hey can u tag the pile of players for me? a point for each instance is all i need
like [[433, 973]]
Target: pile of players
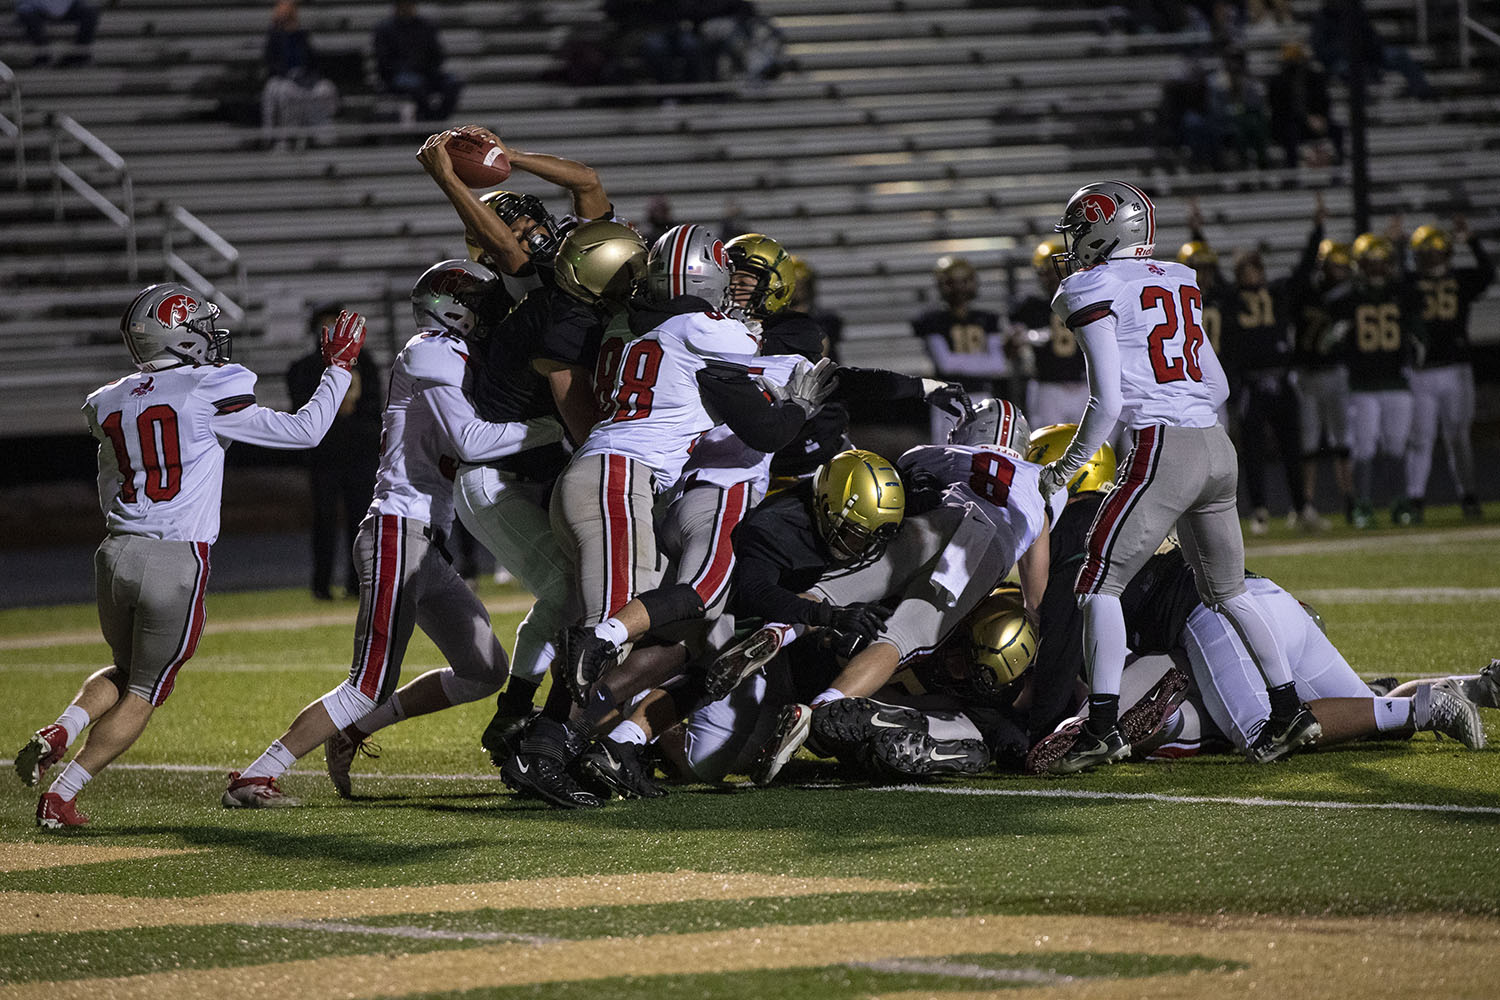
[[654, 445]]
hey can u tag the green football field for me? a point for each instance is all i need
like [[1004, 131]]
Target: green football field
[[1369, 871]]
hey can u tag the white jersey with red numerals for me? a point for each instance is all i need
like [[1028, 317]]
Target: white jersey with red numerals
[[1168, 372], [1003, 487], [658, 410], [429, 427], [162, 437], [720, 457]]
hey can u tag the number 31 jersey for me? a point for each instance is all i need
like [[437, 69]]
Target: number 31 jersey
[[1167, 372]]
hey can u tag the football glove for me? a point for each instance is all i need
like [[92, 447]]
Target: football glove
[[341, 342], [860, 621], [947, 396], [809, 386], [1051, 479]]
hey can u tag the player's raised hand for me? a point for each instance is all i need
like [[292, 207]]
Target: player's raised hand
[[809, 386], [341, 342], [947, 396], [434, 154], [1050, 480]]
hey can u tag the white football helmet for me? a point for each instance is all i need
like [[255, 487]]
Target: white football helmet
[[1107, 219], [994, 423], [689, 260], [446, 295], [170, 324]]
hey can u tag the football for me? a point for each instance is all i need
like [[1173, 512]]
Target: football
[[477, 162]]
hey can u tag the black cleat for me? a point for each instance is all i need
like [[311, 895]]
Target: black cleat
[[1143, 719], [848, 726], [741, 661], [1281, 736], [1080, 750], [1383, 686], [910, 753], [620, 767], [503, 735], [1472, 511], [539, 767], [581, 656]]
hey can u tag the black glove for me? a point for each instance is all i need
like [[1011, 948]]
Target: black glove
[[949, 396], [859, 621]]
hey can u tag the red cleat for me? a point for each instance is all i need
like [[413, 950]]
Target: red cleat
[[45, 748], [255, 793], [53, 812]]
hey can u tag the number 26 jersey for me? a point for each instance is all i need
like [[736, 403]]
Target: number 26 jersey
[[1167, 370]]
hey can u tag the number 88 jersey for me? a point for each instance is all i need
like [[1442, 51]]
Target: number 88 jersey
[[1003, 487], [1167, 370]]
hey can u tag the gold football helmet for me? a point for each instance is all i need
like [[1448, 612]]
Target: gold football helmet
[[1334, 259], [957, 280], [1430, 249], [771, 266], [1048, 445], [601, 262], [1196, 254], [1373, 254], [1001, 637], [858, 503]]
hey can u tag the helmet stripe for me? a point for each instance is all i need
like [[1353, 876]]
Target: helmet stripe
[[679, 259], [1007, 415], [1150, 211]]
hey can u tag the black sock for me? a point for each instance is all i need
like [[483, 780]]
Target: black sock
[[517, 698], [1284, 700], [1104, 713]]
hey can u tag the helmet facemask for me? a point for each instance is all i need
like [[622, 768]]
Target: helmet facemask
[[763, 281], [528, 218], [170, 324], [858, 503]]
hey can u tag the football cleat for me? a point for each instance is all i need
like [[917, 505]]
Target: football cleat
[[539, 767], [1280, 737], [1471, 509], [503, 735], [846, 727], [1362, 515], [53, 812], [339, 751], [1143, 719], [1456, 716], [255, 793], [581, 656], [1383, 686], [45, 748], [911, 753], [621, 768], [792, 727], [1079, 750], [1310, 520], [1260, 521], [740, 661], [1483, 689]]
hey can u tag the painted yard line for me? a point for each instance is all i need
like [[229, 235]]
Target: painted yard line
[[1055, 793], [959, 970], [1377, 543], [497, 606], [1404, 595], [414, 933]]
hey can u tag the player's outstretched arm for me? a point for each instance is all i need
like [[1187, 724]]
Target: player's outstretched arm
[[483, 226], [475, 440], [590, 201]]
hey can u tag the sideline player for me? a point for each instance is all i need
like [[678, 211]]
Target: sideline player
[[1149, 364], [405, 577], [162, 434]]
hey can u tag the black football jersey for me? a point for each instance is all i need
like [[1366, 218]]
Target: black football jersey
[[1446, 301], [1383, 324], [1059, 358]]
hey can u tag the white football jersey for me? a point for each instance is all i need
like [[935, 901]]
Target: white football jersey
[[162, 437], [1168, 372], [1004, 488], [720, 457], [658, 410]]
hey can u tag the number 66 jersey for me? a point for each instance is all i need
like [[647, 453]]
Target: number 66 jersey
[[1165, 367]]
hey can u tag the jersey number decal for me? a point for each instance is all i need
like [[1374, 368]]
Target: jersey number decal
[[604, 375], [990, 476], [637, 385], [1440, 299], [1184, 367], [1377, 328], [161, 453]]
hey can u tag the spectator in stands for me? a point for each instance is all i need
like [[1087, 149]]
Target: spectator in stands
[[34, 15], [1340, 28], [1238, 108], [658, 218], [341, 469], [1185, 118], [966, 344], [1301, 109], [805, 300], [409, 60], [659, 39], [296, 96]]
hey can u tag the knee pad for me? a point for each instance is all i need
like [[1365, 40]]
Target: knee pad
[[673, 603], [462, 690], [346, 705]]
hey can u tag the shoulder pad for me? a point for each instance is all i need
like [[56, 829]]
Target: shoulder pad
[[435, 357]]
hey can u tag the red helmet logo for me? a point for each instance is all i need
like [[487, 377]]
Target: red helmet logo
[[175, 309], [1096, 208], [719, 254], [451, 282]]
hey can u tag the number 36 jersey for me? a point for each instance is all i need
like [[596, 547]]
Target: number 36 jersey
[[1166, 369], [162, 437], [1004, 489]]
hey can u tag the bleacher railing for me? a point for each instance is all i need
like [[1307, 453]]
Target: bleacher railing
[[1467, 24], [122, 215], [179, 220], [12, 125]]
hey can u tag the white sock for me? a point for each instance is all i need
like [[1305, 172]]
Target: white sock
[[628, 732], [612, 631], [384, 715], [71, 781], [832, 694], [1393, 713], [275, 762], [1421, 707], [73, 720]]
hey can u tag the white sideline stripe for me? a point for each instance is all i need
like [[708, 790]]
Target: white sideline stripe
[[417, 933], [1053, 793], [962, 970], [1377, 543], [1408, 595]]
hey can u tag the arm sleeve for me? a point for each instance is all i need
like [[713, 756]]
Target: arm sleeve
[[758, 593], [876, 383], [238, 417], [732, 396], [990, 364], [109, 468], [475, 440], [1101, 353], [1484, 267]]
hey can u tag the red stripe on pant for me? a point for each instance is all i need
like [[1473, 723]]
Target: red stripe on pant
[[1112, 512], [619, 534], [370, 671], [196, 620], [715, 577]]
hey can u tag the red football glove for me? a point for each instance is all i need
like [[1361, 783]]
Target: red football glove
[[341, 342]]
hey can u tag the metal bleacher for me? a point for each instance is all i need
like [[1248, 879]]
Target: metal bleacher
[[901, 130]]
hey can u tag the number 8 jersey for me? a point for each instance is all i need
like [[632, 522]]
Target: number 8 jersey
[[1166, 369]]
